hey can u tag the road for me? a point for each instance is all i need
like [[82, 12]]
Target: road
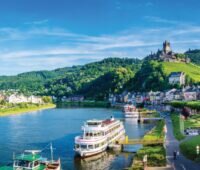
[[171, 144]]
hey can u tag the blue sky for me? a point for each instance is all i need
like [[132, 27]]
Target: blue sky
[[48, 34]]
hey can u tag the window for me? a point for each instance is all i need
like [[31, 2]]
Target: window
[[83, 146], [90, 146]]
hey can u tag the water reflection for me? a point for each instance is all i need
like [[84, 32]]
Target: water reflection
[[60, 126], [103, 161]]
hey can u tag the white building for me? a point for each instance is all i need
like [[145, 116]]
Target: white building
[[177, 78], [20, 98], [15, 98]]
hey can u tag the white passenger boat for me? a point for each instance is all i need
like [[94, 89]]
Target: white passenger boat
[[130, 111], [98, 135]]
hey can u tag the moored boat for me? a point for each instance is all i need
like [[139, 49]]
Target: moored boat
[[98, 135], [130, 111], [32, 160]]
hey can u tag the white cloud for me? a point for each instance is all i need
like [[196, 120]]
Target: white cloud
[[41, 47]]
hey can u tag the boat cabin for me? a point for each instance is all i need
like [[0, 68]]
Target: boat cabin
[[27, 162]]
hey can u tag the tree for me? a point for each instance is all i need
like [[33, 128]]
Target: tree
[[185, 112]]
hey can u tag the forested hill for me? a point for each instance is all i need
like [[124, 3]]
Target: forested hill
[[194, 55], [68, 80]]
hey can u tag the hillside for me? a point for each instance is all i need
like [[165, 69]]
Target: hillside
[[194, 55], [33, 81], [68, 80], [193, 71], [85, 80], [111, 82], [153, 75]]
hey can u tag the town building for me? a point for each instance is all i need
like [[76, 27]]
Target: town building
[[190, 94], [177, 78]]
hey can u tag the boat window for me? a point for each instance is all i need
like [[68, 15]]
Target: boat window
[[87, 134], [84, 146], [96, 145], [90, 146], [91, 134], [77, 146], [22, 163]]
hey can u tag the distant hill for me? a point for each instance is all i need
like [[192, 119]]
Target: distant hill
[[111, 82], [68, 80], [95, 78], [194, 55]]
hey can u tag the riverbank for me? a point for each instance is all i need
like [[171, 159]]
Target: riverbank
[[84, 104], [156, 154], [19, 109]]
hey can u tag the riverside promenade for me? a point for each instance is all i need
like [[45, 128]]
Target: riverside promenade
[[171, 144]]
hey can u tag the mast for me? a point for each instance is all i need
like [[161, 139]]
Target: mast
[[51, 148]]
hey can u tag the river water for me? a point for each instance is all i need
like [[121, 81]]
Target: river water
[[35, 130]]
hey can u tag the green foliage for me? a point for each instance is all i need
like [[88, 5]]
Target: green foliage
[[194, 55], [95, 80], [69, 80], [192, 122], [157, 132], [188, 148], [149, 77], [111, 82], [176, 126], [182, 104], [9, 109], [180, 55], [156, 154], [47, 99], [191, 70]]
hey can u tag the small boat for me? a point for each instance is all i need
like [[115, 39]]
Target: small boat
[[32, 160], [130, 111], [53, 165], [98, 135]]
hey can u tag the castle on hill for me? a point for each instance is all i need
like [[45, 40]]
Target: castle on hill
[[166, 54]]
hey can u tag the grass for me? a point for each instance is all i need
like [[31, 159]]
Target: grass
[[157, 132], [190, 69], [176, 126], [192, 122], [149, 114], [156, 157], [188, 148], [156, 153], [24, 108]]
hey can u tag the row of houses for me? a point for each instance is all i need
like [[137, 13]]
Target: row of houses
[[16, 98], [184, 94]]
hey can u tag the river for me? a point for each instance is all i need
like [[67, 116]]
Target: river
[[35, 130]]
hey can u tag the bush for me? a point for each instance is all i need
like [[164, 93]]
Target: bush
[[176, 126]]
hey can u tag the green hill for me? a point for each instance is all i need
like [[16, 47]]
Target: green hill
[[193, 71], [68, 80], [194, 55], [92, 78]]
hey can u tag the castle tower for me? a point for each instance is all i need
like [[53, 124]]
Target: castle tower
[[166, 47]]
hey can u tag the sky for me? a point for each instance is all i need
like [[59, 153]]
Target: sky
[[49, 34]]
